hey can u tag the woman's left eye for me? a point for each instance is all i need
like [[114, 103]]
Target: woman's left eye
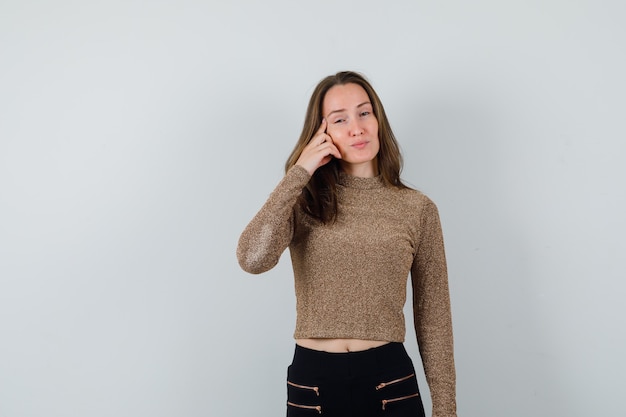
[[365, 113]]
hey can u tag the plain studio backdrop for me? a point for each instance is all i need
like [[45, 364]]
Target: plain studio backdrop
[[138, 138]]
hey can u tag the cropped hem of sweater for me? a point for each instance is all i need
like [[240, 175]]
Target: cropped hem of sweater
[[350, 276], [362, 335]]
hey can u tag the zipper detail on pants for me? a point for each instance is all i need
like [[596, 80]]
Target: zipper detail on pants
[[393, 400], [317, 408], [316, 389], [395, 381]]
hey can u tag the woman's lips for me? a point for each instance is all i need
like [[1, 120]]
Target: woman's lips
[[359, 145]]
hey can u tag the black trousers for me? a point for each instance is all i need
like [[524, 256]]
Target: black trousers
[[374, 382]]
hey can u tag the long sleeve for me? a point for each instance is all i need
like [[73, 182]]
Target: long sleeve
[[270, 231], [433, 321]]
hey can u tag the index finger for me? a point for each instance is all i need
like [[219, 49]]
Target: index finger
[[322, 128]]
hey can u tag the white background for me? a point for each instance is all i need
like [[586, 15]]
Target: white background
[[138, 138]]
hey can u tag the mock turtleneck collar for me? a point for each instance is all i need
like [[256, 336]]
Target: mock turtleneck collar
[[362, 183]]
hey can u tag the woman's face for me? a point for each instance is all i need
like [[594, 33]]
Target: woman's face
[[353, 127]]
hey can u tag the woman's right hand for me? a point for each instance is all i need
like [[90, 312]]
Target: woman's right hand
[[319, 151]]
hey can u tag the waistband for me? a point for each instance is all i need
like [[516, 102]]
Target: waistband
[[365, 362]]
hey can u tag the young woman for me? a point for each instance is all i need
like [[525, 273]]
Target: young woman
[[355, 232]]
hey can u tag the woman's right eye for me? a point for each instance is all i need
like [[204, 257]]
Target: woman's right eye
[[339, 121]]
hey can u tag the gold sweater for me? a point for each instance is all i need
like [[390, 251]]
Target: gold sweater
[[351, 275]]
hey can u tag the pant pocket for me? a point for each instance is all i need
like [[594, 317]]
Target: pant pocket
[[297, 410], [303, 399], [391, 401], [399, 394]]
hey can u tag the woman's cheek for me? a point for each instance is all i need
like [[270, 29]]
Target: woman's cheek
[[338, 143]]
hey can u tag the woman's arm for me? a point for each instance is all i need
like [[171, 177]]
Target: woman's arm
[[269, 233], [432, 316]]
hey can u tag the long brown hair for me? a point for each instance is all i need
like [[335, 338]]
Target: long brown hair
[[319, 197]]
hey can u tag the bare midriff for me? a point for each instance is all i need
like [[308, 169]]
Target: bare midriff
[[339, 345]]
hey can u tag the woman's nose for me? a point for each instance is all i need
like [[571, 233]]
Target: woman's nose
[[355, 128]]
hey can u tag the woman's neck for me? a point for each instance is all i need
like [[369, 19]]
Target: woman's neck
[[367, 169]]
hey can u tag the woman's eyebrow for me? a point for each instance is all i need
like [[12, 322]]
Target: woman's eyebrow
[[343, 110]]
